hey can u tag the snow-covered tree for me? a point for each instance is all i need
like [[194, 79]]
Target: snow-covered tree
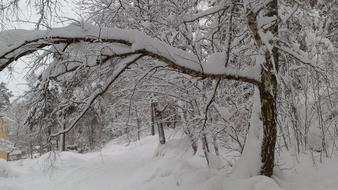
[[254, 42]]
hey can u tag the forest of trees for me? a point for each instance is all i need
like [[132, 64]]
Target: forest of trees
[[257, 77]]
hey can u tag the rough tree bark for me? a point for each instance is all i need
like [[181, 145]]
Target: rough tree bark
[[268, 109]]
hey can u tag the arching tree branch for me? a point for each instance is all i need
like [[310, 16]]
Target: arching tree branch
[[15, 44]]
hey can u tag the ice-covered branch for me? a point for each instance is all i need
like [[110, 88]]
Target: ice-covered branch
[[18, 43]]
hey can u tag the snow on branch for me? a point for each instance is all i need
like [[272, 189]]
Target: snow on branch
[[18, 43]]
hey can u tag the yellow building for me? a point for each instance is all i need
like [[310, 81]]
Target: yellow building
[[4, 136]]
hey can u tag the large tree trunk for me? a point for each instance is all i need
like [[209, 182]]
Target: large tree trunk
[[268, 93], [258, 12]]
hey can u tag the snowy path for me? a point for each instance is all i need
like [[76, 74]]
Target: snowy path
[[112, 168]]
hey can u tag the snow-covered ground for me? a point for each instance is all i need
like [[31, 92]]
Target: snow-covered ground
[[145, 166]]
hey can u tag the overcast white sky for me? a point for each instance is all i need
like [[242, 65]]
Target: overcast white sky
[[15, 79]]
